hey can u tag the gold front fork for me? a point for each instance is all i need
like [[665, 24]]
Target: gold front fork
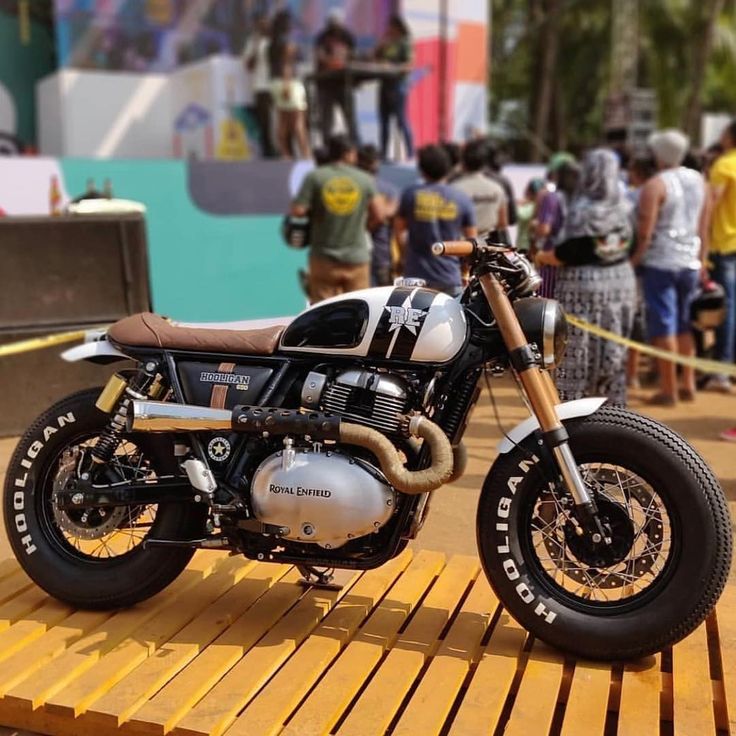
[[540, 390]]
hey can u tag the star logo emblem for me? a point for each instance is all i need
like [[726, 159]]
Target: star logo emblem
[[405, 316], [218, 449]]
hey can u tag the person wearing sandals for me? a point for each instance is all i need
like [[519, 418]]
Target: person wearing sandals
[[595, 280], [669, 249]]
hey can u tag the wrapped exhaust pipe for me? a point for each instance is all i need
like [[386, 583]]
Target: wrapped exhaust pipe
[[156, 416]]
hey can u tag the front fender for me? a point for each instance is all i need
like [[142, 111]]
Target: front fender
[[568, 410]]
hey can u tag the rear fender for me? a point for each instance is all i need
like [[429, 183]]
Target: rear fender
[[95, 349], [568, 410]]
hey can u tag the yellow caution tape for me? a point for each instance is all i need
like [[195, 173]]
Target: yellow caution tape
[[701, 364], [38, 343]]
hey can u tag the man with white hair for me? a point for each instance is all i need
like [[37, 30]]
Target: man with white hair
[[722, 232], [670, 250], [334, 47]]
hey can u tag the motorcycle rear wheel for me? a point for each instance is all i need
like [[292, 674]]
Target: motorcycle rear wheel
[[86, 558], [671, 532]]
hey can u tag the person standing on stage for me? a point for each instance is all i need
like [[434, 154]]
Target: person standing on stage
[[334, 47], [256, 61], [395, 49]]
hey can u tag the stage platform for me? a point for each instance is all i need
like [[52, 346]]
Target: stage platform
[[420, 646]]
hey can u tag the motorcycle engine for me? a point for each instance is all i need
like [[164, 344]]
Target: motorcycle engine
[[323, 497], [364, 397]]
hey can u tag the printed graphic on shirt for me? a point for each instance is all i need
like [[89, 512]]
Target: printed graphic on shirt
[[340, 195], [430, 206]]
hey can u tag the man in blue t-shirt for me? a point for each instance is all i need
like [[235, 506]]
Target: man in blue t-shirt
[[430, 212]]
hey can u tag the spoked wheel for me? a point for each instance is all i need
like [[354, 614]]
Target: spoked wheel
[[93, 557], [641, 537], [667, 556], [97, 532]]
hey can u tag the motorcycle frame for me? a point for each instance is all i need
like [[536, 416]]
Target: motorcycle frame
[[467, 367]]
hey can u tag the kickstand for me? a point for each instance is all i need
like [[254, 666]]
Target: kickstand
[[318, 577]]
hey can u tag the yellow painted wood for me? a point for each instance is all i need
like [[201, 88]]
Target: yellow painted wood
[[535, 702], [217, 710], [20, 606], [692, 692], [347, 675], [54, 642], [641, 685], [8, 567], [379, 702], [726, 619], [128, 695], [127, 655], [35, 690], [430, 704], [12, 584], [480, 709], [162, 712], [32, 626], [587, 703], [268, 712]]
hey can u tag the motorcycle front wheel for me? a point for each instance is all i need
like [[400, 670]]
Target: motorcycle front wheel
[[670, 539]]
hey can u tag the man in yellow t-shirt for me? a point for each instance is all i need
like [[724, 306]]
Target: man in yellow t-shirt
[[722, 246]]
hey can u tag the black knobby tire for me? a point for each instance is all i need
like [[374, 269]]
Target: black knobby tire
[[677, 598], [106, 583]]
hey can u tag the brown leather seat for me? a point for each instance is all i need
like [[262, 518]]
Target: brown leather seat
[[152, 330]]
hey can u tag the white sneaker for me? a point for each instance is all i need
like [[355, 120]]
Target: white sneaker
[[719, 383]]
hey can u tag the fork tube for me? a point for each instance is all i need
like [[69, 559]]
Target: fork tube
[[539, 388]]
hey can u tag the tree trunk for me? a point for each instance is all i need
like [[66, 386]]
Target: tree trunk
[[711, 10], [549, 44]]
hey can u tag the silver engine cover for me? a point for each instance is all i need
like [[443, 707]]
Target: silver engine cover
[[321, 497]]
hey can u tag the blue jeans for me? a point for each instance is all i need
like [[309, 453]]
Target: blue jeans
[[392, 101], [724, 272]]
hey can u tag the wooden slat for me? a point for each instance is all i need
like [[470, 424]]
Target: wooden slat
[[162, 712], [53, 643], [128, 695], [641, 686], [78, 694], [12, 584], [726, 617], [221, 705], [587, 703], [268, 712], [481, 708], [32, 626], [380, 701], [536, 700], [35, 690], [692, 692], [8, 567], [20, 606], [432, 701], [343, 680]]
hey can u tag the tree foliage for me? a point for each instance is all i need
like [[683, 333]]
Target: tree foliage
[[686, 51]]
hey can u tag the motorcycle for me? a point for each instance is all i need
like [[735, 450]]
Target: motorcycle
[[320, 444]]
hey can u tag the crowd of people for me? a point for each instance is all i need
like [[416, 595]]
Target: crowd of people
[[279, 95], [624, 245]]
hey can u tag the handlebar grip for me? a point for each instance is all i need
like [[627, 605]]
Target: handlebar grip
[[454, 248]]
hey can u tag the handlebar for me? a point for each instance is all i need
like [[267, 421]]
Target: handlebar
[[454, 248]]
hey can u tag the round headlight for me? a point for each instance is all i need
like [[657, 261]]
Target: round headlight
[[544, 324]]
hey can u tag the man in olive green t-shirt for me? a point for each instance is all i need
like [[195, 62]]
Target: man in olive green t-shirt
[[339, 199]]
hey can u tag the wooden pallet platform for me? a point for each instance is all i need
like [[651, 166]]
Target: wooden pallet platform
[[420, 646]]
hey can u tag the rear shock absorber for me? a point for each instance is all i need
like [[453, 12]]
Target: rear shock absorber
[[109, 439]]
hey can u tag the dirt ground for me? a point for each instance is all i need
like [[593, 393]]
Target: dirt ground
[[450, 526]]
